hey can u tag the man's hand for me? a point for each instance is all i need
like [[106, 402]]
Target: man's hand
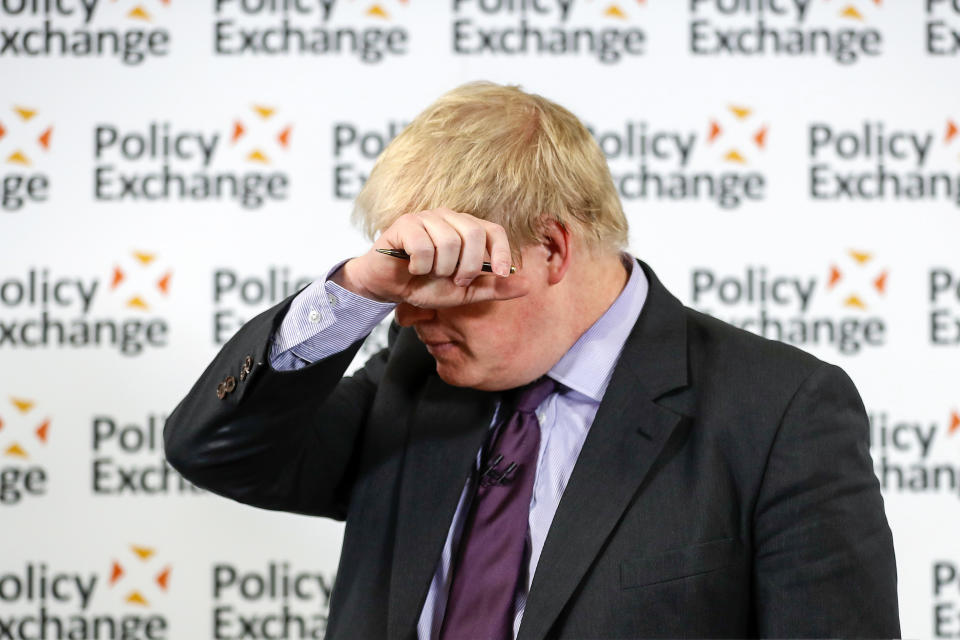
[[446, 251]]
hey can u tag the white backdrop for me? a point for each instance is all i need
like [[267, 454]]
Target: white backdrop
[[798, 174]]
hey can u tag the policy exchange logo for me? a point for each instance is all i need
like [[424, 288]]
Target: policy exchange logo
[[558, 28], [46, 596], [83, 29], [141, 281], [162, 161], [740, 123], [24, 142], [45, 307], [716, 161], [139, 576], [21, 444], [835, 308], [263, 118], [24, 431], [876, 160], [801, 28], [325, 28], [859, 281]]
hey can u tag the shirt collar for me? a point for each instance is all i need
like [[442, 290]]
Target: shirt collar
[[587, 367]]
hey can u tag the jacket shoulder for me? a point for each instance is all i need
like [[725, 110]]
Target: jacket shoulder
[[715, 340], [747, 374]]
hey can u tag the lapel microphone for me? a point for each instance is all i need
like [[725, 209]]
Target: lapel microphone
[[493, 476]]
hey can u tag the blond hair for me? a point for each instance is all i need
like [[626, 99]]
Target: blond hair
[[502, 155]]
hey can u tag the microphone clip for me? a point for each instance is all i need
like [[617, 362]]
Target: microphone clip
[[493, 476]]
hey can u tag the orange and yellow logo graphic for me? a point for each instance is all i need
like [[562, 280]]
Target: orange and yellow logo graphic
[[22, 412], [143, 267], [38, 136], [377, 10], [867, 282], [741, 122], [140, 12], [143, 570], [954, 422], [616, 11], [856, 10], [264, 117]]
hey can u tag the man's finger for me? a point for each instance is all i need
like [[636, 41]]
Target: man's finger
[[473, 243], [447, 242], [417, 243], [484, 289], [498, 246]]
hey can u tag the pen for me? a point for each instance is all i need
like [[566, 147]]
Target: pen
[[403, 255]]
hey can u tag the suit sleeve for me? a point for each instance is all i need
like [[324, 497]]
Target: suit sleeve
[[824, 560], [283, 440]]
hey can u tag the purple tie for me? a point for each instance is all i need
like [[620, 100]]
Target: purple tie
[[492, 547]]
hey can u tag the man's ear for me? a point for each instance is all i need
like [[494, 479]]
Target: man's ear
[[557, 242]]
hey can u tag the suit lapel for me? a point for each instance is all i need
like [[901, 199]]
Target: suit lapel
[[447, 431], [627, 436]]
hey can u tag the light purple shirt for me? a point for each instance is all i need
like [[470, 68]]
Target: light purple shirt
[[325, 319]]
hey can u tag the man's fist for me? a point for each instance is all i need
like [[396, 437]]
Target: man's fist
[[447, 250]]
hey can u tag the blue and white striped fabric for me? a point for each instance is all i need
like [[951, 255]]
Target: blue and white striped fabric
[[565, 416], [322, 320]]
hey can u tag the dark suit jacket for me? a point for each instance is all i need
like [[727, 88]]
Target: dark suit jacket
[[725, 488]]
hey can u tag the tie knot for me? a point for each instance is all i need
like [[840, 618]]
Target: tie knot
[[534, 393]]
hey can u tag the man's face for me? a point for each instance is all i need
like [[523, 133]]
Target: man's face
[[492, 345]]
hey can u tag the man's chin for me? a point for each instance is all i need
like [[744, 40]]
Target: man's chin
[[453, 375], [461, 376]]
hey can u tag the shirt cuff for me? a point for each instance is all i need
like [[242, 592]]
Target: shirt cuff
[[322, 320]]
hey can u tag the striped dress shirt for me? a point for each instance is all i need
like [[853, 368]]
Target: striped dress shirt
[[325, 319]]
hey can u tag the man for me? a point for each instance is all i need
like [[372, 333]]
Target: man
[[565, 451]]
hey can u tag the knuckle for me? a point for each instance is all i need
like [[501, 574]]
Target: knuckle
[[497, 233], [468, 272], [449, 243], [421, 252], [475, 234], [420, 265]]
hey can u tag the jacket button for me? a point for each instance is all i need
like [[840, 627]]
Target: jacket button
[[221, 391], [248, 363], [243, 374], [229, 384]]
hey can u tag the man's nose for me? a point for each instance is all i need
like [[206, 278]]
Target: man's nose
[[407, 315]]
